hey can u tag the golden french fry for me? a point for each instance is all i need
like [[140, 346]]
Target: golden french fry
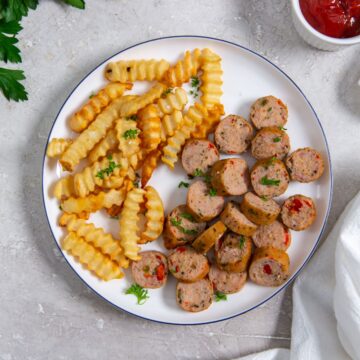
[[170, 123], [64, 188], [150, 124], [57, 146], [135, 70], [184, 69], [194, 116], [172, 101], [82, 118], [129, 218], [133, 106], [96, 131], [108, 143], [91, 258], [149, 166], [154, 216], [96, 237], [127, 134], [211, 78]]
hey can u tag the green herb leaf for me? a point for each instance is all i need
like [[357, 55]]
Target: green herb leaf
[[271, 182], [11, 28], [130, 134], [212, 192], [264, 198], [183, 184], [270, 162], [109, 170], [178, 222], [241, 241], [187, 216], [220, 296], [194, 81], [80, 4], [175, 222], [10, 85], [282, 128], [141, 294], [16, 9], [8, 51], [91, 95], [277, 139], [132, 117], [198, 173], [167, 91]]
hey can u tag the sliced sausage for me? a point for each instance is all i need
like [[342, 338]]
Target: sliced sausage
[[230, 177], [269, 266], [236, 221], [298, 212], [194, 297], [202, 203], [151, 270], [276, 235], [260, 211], [187, 265], [269, 177], [181, 227], [305, 165], [225, 281], [199, 154], [207, 239], [233, 134], [233, 252], [268, 111], [269, 142]]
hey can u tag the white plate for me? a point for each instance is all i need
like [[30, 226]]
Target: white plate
[[247, 76]]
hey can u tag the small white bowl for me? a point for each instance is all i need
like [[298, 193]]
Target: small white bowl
[[314, 37]]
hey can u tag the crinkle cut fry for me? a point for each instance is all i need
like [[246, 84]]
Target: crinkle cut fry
[[101, 149], [96, 237], [136, 70], [57, 146], [91, 258], [129, 227], [154, 216], [128, 138], [150, 124], [82, 118], [64, 188], [173, 100], [170, 123], [96, 131], [149, 166]]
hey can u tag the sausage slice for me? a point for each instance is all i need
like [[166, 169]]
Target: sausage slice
[[151, 270], [269, 267], [230, 177], [202, 203], [305, 165], [269, 177], [233, 134], [199, 154], [187, 265], [236, 221], [276, 235], [261, 211], [227, 282], [233, 252], [181, 227], [298, 212], [207, 239], [194, 297], [270, 142], [268, 111]]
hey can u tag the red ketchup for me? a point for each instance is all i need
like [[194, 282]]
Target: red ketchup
[[335, 18]]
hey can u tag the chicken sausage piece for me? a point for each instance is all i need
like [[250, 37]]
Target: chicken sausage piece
[[270, 142], [269, 177], [151, 270], [268, 111], [202, 202], [233, 134], [276, 235], [181, 227], [305, 165], [187, 265], [298, 212], [199, 154], [207, 239], [196, 296], [269, 267], [226, 282], [230, 177]]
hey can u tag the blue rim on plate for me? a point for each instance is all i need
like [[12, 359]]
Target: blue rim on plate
[[328, 154]]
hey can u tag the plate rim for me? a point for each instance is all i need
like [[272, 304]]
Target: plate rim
[[295, 275]]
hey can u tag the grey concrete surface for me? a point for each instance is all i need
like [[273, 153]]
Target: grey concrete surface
[[46, 312]]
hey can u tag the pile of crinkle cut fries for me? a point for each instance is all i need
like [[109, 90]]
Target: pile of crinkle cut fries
[[120, 134]]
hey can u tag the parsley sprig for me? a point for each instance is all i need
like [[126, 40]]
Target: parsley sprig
[[271, 182], [200, 173], [178, 223], [195, 85], [141, 294], [130, 134], [183, 184], [109, 170], [220, 296]]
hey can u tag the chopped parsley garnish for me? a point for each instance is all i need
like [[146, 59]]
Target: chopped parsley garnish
[[183, 184], [175, 222], [166, 92], [107, 171], [178, 222], [200, 173], [241, 242], [91, 95], [264, 102], [187, 216], [195, 84], [130, 134], [136, 182], [131, 117], [141, 294], [220, 296], [277, 139], [282, 128], [272, 182], [212, 192]]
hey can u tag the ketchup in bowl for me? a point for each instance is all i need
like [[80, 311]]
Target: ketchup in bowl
[[335, 18]]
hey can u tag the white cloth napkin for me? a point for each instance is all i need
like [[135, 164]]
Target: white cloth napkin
[[326, 298]]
